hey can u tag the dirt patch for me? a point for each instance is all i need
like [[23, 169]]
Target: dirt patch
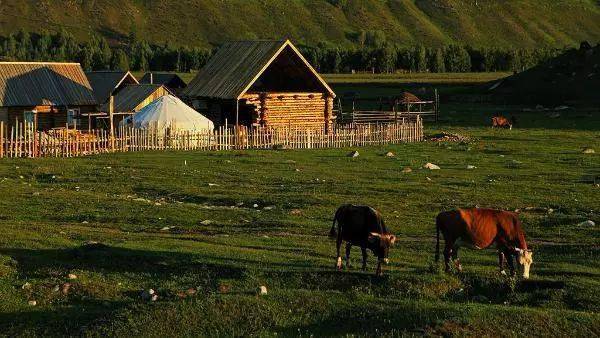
[[448, 137]]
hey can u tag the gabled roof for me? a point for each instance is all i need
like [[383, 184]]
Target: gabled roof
[[131, 96], [170, 80], [105, 82], [237, 65], [43, 84]]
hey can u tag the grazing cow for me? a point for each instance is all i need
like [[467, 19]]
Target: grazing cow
[[479, 229], [503, 122], [362, 226]]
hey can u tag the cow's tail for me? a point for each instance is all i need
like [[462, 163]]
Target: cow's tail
[[332, 232], [437, 244]]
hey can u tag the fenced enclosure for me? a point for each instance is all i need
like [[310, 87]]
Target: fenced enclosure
[[23, 141], [387, 109]]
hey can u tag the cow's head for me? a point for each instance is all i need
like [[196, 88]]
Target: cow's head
[[525, 258], [381, 243]]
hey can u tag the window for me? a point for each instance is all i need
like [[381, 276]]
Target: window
[[73, 117], [29, 116]]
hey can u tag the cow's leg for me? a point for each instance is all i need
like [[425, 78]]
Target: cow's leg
[[447, 253], [456, 259], [510, 261], [338, 263], [348, 248], [364, 257], [501, 259], [378, 270]]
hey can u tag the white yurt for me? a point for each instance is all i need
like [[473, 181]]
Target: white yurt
[[169, 112]]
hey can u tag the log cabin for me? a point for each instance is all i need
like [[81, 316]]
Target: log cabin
[[47, 94], [261, 83], [108, 83]]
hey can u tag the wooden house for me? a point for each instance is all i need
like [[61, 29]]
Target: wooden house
[[108, 83], [47, 94], [172, 81], [261, 83]]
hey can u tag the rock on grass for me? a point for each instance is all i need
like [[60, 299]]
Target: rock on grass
[[431, 166]]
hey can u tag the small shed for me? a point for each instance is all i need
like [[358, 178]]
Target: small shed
[[261, 83], [172, 81], [107, 83], [133, 98], [48, 94]]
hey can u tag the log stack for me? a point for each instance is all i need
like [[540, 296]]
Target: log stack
[[306, 110]]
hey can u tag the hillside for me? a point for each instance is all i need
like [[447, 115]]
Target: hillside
[[570, 77], [522, 23]]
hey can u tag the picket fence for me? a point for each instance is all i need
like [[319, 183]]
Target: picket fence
[[22, 140]]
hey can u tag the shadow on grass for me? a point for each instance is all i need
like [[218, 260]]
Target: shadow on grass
[[102, 258], [62, 321]]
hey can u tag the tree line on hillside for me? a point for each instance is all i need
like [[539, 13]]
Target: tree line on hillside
[[373, 54]]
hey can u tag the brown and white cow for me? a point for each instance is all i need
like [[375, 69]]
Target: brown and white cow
[[502, 122], [362, 226], [480, 228]]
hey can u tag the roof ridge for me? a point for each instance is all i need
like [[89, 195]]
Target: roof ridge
[[38, 63]]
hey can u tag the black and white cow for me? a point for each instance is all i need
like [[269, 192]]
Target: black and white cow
[[362, 226]]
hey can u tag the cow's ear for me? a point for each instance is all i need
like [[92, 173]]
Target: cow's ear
[[373, 237]]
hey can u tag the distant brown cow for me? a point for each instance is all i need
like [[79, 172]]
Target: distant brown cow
[[479, 229], [502, 122]]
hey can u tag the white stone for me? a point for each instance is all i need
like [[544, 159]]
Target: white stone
[[471, 167], [32, 302], [588, 223], [431, 166], [72, 276], [589, 151], [263, 290]]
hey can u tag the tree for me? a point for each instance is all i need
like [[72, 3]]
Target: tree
[[420, 57], [437, 64], [119, 60]]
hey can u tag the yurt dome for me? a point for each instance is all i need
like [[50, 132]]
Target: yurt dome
[[169, 112]]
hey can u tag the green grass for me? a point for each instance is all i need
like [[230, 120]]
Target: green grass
[[414, 78], [219, 240], [523, 23]]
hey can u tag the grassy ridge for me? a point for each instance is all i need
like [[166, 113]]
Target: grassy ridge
[[220, 241], [523, 23]]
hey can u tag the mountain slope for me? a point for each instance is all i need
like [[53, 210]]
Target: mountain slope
[[521, 23]]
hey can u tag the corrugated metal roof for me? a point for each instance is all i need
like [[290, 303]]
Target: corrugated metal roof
[[105, 82], [171, 80], [44, 83], [131, 96], [236, 66]]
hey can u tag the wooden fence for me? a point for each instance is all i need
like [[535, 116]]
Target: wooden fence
[[23, 141]]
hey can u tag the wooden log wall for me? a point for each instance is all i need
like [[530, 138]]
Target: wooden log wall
[[309, 110]]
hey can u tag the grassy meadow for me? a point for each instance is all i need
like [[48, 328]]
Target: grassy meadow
[[207, 229]]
